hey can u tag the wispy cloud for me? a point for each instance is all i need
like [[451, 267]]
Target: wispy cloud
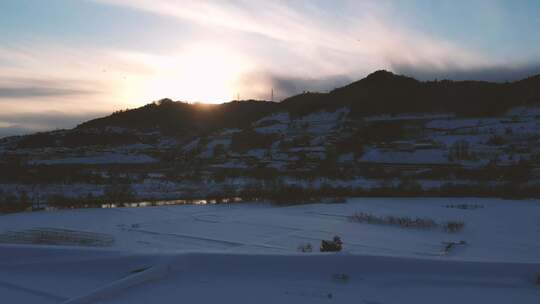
[[310, 44], [495, 72], [25, 88], [24, 123], [352, 28], [261, 85], [45, 76]]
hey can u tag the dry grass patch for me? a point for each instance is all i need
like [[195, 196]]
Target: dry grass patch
[[406, 222]]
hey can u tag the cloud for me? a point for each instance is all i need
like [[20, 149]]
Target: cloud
[[12, 130], [350, 38], [495, 73], [25, 123], [24, 88], [45, 76], [260, 84]]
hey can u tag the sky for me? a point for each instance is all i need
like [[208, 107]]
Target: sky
[[66, 61]]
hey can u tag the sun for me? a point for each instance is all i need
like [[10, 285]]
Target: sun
[[200, 75]]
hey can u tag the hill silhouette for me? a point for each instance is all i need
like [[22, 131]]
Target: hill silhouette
[[179, 118], [381, 92]]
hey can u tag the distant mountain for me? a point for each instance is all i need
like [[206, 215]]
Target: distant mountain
[[179, 118], [381, 92]]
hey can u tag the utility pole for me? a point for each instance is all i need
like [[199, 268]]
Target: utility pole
[[272, 98]]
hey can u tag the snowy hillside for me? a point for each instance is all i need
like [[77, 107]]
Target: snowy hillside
[[434, 154], [384, 135]]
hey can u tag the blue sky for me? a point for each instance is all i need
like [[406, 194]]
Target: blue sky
[[63, 61]]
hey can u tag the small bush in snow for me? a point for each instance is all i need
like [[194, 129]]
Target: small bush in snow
[[407, 222], [453, 226], [538, 279], [305, 248], [331, 246], [341, 277], [448, 246], [465, 206]]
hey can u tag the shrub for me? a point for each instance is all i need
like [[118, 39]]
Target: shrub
[[410, 187], [538, 279], [249, 139], [119, 193], [453, 226], [285, 195], [331, 246], [495, 140], [406, 222], [10, 203], [305, 247], [448, 246], [460, 150], [465, 206], [341, 277]]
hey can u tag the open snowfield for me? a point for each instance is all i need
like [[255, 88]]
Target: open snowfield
[[247, 253]]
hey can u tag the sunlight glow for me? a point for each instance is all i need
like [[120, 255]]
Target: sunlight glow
[[199, 75]]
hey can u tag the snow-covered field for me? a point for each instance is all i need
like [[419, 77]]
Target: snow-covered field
[[247, 253]]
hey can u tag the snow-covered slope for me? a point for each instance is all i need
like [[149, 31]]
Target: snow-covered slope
[[247, 253], [98, 277], [436, 153]]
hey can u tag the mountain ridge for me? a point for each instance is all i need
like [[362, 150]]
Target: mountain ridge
[[381, 92]]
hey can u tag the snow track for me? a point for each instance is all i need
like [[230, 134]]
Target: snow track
[[116, 288]]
